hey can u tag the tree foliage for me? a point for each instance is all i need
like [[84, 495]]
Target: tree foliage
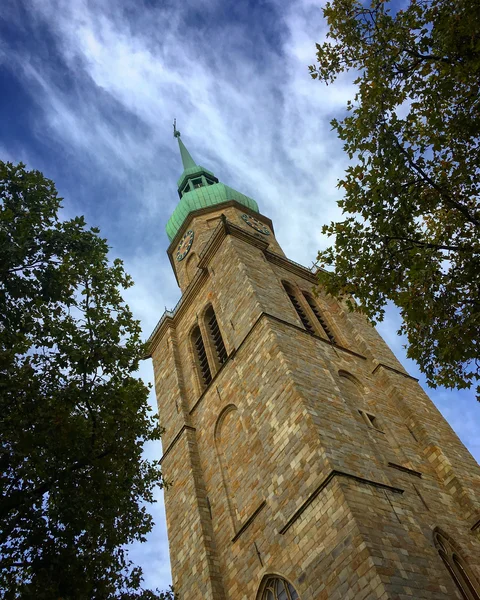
[[410, 232], [73, 417]]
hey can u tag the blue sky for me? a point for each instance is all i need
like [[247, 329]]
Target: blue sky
[[88, 93]]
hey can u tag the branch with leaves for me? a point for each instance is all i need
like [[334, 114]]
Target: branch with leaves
[[74, 416], [410, 232]]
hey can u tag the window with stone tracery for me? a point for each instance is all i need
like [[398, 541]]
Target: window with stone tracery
[[457, 567], [277, 588]]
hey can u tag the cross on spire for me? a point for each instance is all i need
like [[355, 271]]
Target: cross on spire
[[176, 133]]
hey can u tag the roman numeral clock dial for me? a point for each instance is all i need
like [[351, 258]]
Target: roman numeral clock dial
[[256, 224], [185, 245]]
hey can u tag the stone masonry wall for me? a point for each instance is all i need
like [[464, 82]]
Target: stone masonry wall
[[204, 225], [325, 463]]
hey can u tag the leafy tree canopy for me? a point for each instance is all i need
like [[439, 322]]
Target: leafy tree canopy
[[410, 232], [73, 417]]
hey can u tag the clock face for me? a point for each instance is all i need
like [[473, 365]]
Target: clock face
[[185, 245], [256, 224]]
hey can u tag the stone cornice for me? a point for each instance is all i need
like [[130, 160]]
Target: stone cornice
[[249, 521], [393, 370], [206, 211], [170, 317], [290, 265], [405, 469], [177, 436], [316, 337], [328, 479], [214, 243], [246, 236], [233, 354], [224, 228]]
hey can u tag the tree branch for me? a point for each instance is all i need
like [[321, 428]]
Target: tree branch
[[427, 244], [21, 497], [447, 197], [431, 57]]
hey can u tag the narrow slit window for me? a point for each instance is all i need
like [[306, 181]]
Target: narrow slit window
[[216, 336], [320, 318], [298, 307], [371, 420], [411, 433], [201, 355]]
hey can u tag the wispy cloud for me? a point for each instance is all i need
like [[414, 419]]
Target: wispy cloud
[[104, 92]]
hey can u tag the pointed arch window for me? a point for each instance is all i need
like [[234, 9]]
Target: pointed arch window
[[457, 567], [215, 336], [277, 588], [320, 318], [191, 265], [298, 307], [203, 368]]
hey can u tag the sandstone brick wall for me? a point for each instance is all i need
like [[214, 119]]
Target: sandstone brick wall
[[325, 463], [203, 222]]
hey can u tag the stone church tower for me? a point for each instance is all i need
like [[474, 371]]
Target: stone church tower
[[305, 461]]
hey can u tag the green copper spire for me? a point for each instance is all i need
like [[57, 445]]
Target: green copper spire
[[187, 160], [199, 188]]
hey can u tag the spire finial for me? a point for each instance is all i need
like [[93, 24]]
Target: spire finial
[[176, 133]]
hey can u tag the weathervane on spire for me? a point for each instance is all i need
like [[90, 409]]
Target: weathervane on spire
[[176, 133]]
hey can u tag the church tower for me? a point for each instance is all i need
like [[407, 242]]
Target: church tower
[[304, 461]]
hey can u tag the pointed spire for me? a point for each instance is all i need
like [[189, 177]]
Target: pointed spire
[[187, 160], [199, 188]]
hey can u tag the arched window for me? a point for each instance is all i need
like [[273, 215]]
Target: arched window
[[201, 360], [457, 567], [351, 390], [191, 266], [215, 336], [277, 588], [298, 307], [233, 439], [320, 318]]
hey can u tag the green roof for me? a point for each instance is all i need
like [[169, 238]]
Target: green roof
[[192, 172], [209, 192], [201, 198]]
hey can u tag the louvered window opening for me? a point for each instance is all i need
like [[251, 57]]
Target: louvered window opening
[[320, 319], [202, 357], [300, 312], [217, 339]]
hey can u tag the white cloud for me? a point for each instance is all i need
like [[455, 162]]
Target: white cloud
[[246, 110]]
